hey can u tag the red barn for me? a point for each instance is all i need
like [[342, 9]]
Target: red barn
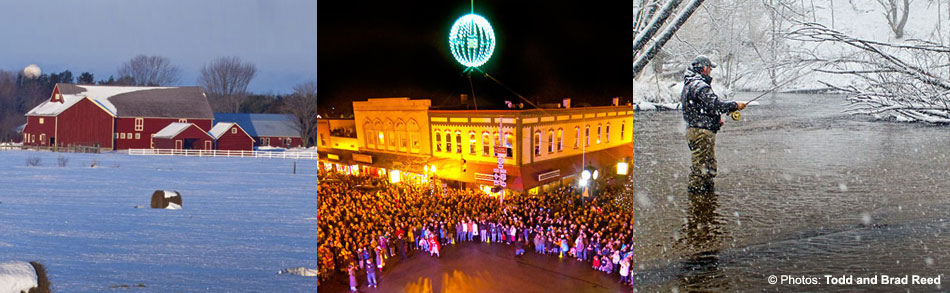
[[182, 136], [112, 117], [230, 136], [268, 130]]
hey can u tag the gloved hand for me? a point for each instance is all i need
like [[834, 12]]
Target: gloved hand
[[741, 106]]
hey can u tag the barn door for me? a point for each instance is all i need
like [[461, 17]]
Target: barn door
[[207, 145], [178, 144]]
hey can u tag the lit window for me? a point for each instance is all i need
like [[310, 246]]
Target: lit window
[[608, 132], [550, 141], [560, 139], [622, 126], [486, 149], [382, 139], [458, 141], [41, 120], [587, 135], [438, 141], [577, 137], [414, 137], [495, 142], [471, 142], [508, 145], [598, 134], [448, 142], [368, 134], [537, 143]]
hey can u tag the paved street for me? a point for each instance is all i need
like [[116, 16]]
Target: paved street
[[483, 267]]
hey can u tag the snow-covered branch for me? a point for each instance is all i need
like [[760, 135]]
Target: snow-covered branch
[[895, 81]]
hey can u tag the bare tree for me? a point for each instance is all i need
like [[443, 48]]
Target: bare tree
[[150, 71], [225, 80], [905, 82], [303, 105], [9, 118], [896, 12]]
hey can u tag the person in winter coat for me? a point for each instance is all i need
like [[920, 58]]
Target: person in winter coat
[[579, 249], [370, 273], [379, 258], [402, 246], [483, 231], [475, 231], [352, 271], [519, 248], [625, 271], [493, 229], [565, 248], [615, 259], [703, 111], [434, 246]]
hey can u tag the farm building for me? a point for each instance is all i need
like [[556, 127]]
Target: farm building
[[182, 136], [112, 117], [274, 130], [230, 136]]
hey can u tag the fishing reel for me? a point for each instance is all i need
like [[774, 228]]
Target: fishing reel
[[735, 115]]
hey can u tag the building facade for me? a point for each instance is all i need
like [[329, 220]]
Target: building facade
[[267, 130], [539, 148], [230, 136]]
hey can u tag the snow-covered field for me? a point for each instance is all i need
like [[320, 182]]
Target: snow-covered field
[[242, 220]]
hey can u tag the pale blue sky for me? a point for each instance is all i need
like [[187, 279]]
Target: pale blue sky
[[279, 36]]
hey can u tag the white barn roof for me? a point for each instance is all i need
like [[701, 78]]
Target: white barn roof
[[131, 101], [172, 130], [220, 129]]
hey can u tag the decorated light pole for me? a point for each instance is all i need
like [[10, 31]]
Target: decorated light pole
[[500, 175]]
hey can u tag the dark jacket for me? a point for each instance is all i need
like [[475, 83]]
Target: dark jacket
[[701, 107]]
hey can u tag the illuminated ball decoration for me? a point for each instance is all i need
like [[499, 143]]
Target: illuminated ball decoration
[[472, 40]]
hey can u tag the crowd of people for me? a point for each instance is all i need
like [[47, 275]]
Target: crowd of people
[[363, 221]]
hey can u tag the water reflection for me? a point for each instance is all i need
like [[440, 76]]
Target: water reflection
[[701, 273], [703, 228], [702, 235]]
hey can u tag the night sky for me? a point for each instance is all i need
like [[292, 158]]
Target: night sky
[[545, 50]]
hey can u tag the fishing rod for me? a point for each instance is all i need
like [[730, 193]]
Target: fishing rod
[[735, 114]]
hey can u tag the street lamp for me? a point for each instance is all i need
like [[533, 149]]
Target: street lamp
[[622, 168]]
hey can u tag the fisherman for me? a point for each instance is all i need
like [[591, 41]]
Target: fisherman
[[702, 111]]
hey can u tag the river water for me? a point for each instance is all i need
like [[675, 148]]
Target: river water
[[803, 191]]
